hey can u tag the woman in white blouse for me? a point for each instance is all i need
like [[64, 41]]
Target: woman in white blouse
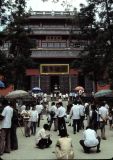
[[43, 137]]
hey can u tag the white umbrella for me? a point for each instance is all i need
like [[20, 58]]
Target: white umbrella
[[17, 94], [36, 89]]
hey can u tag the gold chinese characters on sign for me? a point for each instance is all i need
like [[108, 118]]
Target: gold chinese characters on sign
[[54, 68]]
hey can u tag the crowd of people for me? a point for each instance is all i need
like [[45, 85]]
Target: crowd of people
[[96, 116]]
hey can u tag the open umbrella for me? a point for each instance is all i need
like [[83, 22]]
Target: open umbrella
[[103, 93], [17, 94], [2, 84], [78, 88], [36, 89]]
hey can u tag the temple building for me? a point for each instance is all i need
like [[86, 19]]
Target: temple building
[[55, 52]]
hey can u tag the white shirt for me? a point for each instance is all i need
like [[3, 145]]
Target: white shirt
[[75, 112], [26, 114], [90, 138], [7, 113], [45, 95], [110, 118], [33, 116], [42, 133], [54, 108], [23, 107], [103, 112], [107, 106], [39, 108], [61, 111], [51, 95], [82, 110]]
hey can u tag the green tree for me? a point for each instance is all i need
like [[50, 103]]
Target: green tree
[[18, 35], [95, 21], [4, 65], [105, 14]]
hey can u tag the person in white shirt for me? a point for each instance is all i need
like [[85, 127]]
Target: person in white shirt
[[39, 108], [42, 138], [106, 105], [26, 115], [82, 114], [53, 116], [75, 114], [55, 96], [61, 113], [6, 114], [60, 95], [67, 96], [51, 96], [64, 97], [90, 140], [23, 107], [103, 114], [33, 119]]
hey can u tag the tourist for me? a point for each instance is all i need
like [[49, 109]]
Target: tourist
[[110, 118], [43, 137], [6, 117], [33, 119], [61, 113], [87, 111], [14, 125], [94, 117], [103, 114], [64, 148], [23, 107], [26, 115], [90, 140], [53, 116], [82, 114], [69, 106], [106, 105], [75, 114], [39, 108]]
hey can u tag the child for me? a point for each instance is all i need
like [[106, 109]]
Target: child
[[110, 120]]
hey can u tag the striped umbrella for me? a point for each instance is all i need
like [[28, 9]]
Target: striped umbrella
[[103, 93]]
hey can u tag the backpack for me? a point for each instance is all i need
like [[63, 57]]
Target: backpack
[[52, 113]]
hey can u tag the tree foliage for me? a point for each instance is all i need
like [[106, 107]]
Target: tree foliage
[[19, 56], [21, 44], [95, 21]]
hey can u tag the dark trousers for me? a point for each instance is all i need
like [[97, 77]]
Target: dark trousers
[[76, 125], [61, 124], [44, 143], [14, 140], [55, 123], [39, 117], [82, 122], [5, 143], [86, 149], [33, 128]]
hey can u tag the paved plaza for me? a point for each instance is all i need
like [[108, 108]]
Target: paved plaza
[[27, 149]]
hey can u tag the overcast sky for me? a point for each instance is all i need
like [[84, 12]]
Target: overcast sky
[[39, 5]]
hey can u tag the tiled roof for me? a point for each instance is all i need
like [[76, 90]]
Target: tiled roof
[[55, 54]]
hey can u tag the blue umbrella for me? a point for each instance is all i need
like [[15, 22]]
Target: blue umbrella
[[2, 84]]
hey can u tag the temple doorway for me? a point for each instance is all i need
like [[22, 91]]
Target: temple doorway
[[54, 83]]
